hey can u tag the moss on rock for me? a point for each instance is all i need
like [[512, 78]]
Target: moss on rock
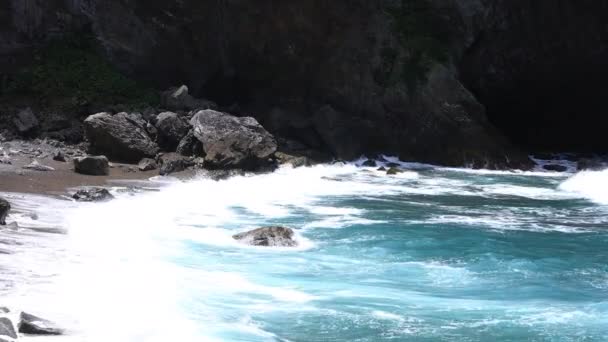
[[70, 73]]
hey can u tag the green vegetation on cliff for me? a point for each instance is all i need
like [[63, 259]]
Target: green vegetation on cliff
[[70, 73], [424, 35]]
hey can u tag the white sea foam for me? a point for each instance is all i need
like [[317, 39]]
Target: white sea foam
[[116, 266], [592, 185]]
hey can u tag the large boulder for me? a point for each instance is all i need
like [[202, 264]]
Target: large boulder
[[268, 237], [179, 99], [5, 207], [93, 195], [121, 136], [26, 122], [190, 146], [92, 165], [171, 129], [34, 325], [233, 142]]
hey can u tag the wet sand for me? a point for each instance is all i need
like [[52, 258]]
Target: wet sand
[[14, 178]]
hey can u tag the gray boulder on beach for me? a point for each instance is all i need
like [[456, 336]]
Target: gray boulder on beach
[[92, 165], [233, 142], [5, 207], [268, 237], [121, 136]]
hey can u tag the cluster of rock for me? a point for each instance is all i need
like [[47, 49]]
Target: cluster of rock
[[174, 141], [13, 324]]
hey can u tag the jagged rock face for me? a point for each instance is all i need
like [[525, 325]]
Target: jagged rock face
[[303, 56], [540, 68]]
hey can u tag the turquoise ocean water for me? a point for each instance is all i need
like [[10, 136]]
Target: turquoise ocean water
[[432, 254]]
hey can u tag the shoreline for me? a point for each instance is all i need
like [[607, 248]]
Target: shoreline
[[14, 178], [61, 179]]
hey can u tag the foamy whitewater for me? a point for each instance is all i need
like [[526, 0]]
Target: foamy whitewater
[[432, 254]]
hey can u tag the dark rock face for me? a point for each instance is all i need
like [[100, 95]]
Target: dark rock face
[[510, 65], [345, 74], [122, 136], [268, 237], [173, 162], [93, 195], [171, 129], [26, 122], [233, 142], [92, 165], [33, 325]]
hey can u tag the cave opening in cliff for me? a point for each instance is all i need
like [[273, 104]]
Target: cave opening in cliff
[[566, 114]]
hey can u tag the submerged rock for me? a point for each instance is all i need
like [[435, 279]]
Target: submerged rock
[[268, 237], [369, 163], [147, 164], [5, 207], [593, 164], [393, 171], [34, 325], [555, 167], [233, 142], [93, 195], [122, 136], [92, 165]]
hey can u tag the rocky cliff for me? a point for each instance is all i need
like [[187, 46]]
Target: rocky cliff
[[447, 81]]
